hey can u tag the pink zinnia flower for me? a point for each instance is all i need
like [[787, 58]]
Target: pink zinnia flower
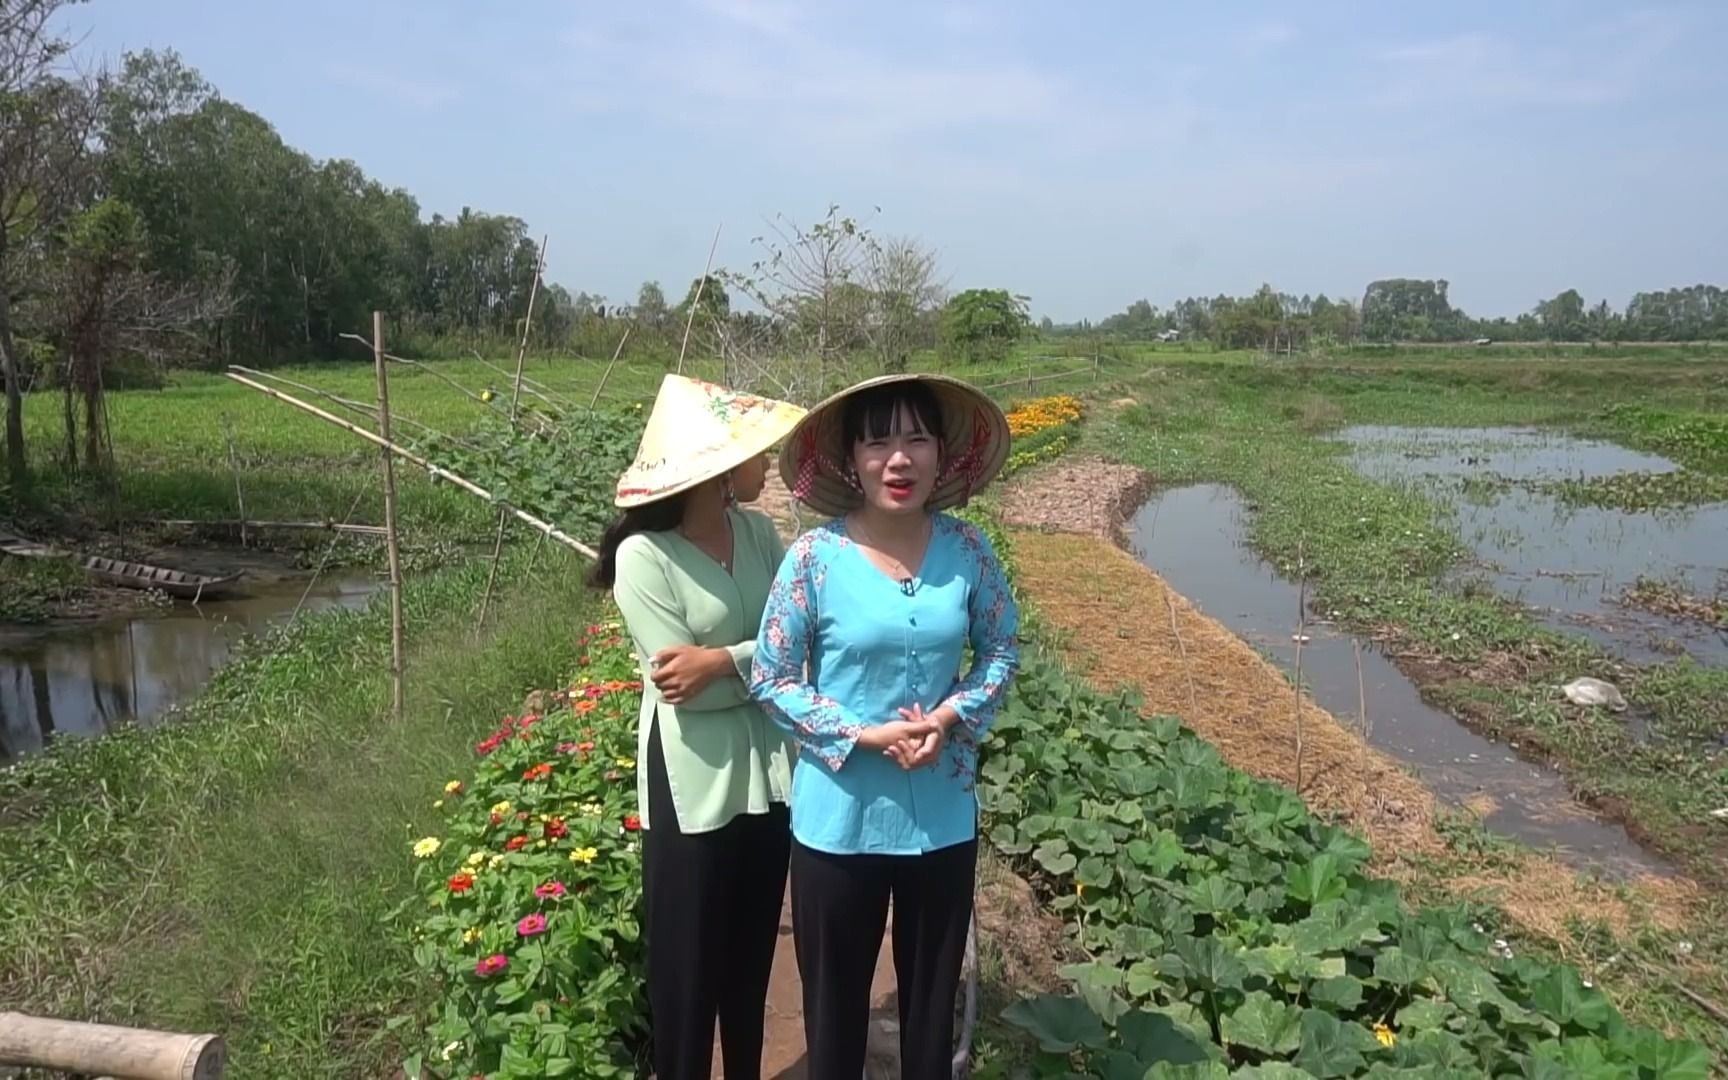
[[550, 890], [566, 748], [492, 965], [531, 925]]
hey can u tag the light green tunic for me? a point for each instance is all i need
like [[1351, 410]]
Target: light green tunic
[[723, 756]]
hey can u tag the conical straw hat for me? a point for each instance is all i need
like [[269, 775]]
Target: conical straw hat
[[696, 432], [975, 445]]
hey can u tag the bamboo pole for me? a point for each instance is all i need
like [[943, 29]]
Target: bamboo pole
[[104, 1049], [222, 523], [392, 537], [607, 374], [359, 408], [234, 465], [515, 403], [432, 371], [408, 455], [690, 318]]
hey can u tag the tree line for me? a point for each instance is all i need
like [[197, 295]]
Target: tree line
[[1412, 310]]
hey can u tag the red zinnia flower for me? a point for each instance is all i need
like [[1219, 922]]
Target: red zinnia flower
[[550, 890], [632, 823], [492, 965], [497, 819], [516, 843], [586, 705], [531, 925], [585, 748], [487, 745], [537, 772], [556, 829], [462, 882]]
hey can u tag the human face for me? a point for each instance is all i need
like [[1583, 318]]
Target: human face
[[749, 478], [898, 470]]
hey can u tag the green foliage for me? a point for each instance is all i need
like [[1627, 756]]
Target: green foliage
[[530, 899], [562, 471], [983, 324], [1228, 928]]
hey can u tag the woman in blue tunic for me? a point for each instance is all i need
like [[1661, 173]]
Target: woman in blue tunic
[[860, 659]]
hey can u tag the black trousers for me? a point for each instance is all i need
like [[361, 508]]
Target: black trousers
[[713, 915], [839, 910]]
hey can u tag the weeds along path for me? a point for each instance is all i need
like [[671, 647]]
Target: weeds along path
[[1122, 626], [235, 871]]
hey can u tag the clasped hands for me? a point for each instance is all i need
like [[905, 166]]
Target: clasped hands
[[913, 741]]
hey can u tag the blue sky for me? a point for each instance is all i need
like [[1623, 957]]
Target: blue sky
[[1086, 154]]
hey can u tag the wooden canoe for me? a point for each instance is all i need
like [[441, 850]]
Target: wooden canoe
[[131, 575]]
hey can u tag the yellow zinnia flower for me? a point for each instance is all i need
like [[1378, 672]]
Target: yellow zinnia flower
[[584, 854], [452, 787], [427, 847], [438, 804], [1386, 1035], [475, 858], [494, 862], [502, 807], [626, 763], [471, 935]]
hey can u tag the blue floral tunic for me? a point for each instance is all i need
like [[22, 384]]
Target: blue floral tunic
[[844, 647]]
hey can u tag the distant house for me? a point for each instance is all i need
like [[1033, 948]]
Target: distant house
[[1170, 335]]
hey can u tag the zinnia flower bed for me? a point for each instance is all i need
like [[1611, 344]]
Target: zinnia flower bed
[[1043, 428], [529, 904]]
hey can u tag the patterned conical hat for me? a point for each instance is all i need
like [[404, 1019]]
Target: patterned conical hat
[[696, 432], [975, 438]]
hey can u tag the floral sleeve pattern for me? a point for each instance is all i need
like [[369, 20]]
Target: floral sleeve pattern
[[995, 626], [784, 650]]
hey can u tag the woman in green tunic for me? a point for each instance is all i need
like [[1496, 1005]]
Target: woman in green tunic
[[690, 573]]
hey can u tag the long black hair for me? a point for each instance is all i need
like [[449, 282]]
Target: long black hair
[[875, 413], [660, 515]]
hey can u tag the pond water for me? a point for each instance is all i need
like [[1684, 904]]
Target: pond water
[[1568, 564], [1196, 539], [82, 679]]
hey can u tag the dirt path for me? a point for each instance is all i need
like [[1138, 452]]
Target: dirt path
[[1122, 626]]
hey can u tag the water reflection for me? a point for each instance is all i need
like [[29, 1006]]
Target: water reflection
[[82, 680], [1569, 564], [1196, 539]]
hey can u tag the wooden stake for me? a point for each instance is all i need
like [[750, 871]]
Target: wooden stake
[[234, 464], [408, 455], [1301, 632], [607, 374], [697, 302], [1182, 650], [392, 540], [1361, 689], [103, 1049], [515, 403]]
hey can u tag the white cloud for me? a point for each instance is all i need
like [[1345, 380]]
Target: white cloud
[[416, 93], [1606, 63], [1266, 37]]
